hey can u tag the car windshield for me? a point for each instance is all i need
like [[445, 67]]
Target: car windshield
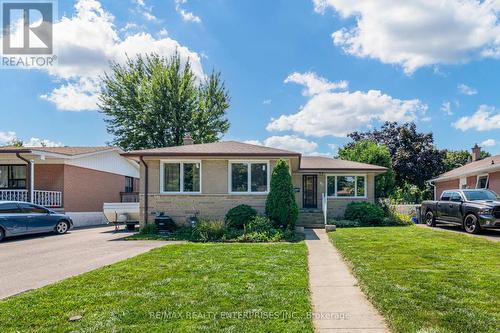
[[480, 195]]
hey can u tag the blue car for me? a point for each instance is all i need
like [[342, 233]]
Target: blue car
[[22, 218]]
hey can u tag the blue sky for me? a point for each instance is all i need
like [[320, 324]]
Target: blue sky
[[301, 74]]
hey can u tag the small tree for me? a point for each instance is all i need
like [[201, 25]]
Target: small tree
[[366, 151], [281, 206]]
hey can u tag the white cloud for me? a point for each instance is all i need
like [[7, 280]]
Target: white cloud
[[489, 143], [417, 33], [339, 113], [87, 42], [146, 11], [186, 16], [314, 84], [484, 119], [8, 137], [36, 142], [466, 90], [267, 101], [446, 108], [287, 142]]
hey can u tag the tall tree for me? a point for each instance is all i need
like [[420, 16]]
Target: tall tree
[[415, 159], [455, 159], [152, 101], [370, 152]]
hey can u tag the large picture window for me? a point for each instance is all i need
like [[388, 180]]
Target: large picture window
[[249, 177], [12, 176], [180, 177], [346, 186]]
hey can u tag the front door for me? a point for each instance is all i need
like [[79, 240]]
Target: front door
[[310, 191]]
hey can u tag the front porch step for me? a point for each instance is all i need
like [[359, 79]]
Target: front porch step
[[310, 219]]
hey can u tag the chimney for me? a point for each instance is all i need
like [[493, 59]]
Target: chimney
[[476, 153], [188, 140]]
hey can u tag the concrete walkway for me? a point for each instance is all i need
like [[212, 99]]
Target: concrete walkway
[[338, 303]]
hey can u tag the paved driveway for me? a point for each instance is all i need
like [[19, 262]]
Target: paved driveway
[[34, 261], [492, 235]]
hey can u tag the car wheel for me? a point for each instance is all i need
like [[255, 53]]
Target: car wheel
[[61, 227], [2, 234], [471, 224], [429, 219]]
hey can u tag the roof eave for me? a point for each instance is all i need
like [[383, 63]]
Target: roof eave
[[488, 169], [160, 154]]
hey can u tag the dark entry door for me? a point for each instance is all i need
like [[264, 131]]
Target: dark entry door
[[310, 191]]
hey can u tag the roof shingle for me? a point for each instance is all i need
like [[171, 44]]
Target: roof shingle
[[222, 148], [484, 165], [327, 163], [70, 151]]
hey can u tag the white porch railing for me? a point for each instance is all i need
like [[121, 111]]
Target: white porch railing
[[43, 198], [324, 207]]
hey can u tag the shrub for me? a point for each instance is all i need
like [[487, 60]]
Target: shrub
[[367, 213], [272, 235], [260, 224], [240, 216], [281, 206], [344, 223], [206, 230], [148, 229]]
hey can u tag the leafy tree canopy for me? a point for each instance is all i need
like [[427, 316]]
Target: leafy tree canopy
[[152, 101], [415, 159], [370, 152]]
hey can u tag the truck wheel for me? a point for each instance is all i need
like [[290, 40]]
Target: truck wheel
[[471, 224], [429, 219]]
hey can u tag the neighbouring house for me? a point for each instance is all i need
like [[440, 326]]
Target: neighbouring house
[[479, 173], [76, 180], [209, 179]]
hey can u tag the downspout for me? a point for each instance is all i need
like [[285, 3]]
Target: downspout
[[30, 173], [146, 189], [434, 186]]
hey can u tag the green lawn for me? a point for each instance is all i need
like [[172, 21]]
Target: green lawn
[[424, 280], [177, 288]]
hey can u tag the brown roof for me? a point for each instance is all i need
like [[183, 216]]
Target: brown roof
[[327, 163], [485, 165], [222, 148], [70, 151]]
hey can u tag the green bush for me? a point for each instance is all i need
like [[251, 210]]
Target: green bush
[[344, 223], [148, 229], [207, 230], [240, 216], [260, 224], [272, 235], [281, 206], [367, 213]]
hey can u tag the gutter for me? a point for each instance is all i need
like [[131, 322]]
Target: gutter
[[30, 166], [431, 183], [146, 189]]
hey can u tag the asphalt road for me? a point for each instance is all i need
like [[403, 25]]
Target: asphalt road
[[31, 262]]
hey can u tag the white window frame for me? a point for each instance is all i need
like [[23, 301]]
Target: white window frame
[[355, 185], [181, 163], [487, 175], [249, 176], [463, 183]]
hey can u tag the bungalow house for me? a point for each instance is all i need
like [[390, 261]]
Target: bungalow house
[[479, 173], [76, 180], [209, 179]]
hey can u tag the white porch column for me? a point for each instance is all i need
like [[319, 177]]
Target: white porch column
[[32, 181]]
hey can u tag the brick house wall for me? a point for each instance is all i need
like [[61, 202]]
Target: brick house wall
[[85, 190], [49, 177], [447, 185], [471, 182], [495, 182]]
